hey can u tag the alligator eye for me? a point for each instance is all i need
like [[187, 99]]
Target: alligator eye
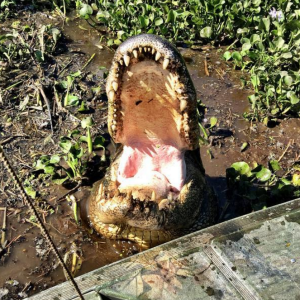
[[138, 102]]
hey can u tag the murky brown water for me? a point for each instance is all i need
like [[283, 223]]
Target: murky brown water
[[224, 99]]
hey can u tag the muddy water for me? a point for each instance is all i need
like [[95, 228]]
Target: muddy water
[[223, 97]]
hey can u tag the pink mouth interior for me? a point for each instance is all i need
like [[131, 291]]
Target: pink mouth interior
[[153, 154], [143, 170]]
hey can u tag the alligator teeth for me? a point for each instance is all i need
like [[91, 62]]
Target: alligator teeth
[[149, 49], [183, 104], [153, 51], [115, 85], [145, 49], [126, 59], [166, 63], [111, 96], [186, 128], [153, 196], [100, 191], [129, 194], [157, 56], [135, 53], [113, 127], [141, 49], [163, 204]]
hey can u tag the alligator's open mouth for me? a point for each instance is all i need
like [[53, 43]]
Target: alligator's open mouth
[[152, 115], [156, 183]]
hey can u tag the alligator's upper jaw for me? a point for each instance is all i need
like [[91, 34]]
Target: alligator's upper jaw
[[152, 112]]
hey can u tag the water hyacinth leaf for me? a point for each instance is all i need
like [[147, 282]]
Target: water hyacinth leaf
[[242, 168], [73, 100], [274, 164], [30, 191], [55, 34], [244, 146], [237, 56], [49, 170], [264, 174], [206, 32], [227, 55], [158, 21], [285, 181], [287, 55], [279, 42], [292, 96], [58, 180], [55, 159], [246, 46], [144, 21], [65, 145], [213, 122], [85, 11], [255, 80], [264, 24], [296, 179], [87, 122], [171, 16], [288, 80]]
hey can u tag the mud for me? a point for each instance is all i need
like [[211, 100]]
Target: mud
[[223, 97]]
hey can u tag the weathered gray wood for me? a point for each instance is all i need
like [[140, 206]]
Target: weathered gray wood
[[252, 257]]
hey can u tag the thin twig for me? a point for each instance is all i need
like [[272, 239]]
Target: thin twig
[[285, 150]]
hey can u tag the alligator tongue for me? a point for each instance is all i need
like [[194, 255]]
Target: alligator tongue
[[147, 168]]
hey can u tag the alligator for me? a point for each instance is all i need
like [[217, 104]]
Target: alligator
[[155, 188]]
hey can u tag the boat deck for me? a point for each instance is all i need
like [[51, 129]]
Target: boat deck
[[256, 256]]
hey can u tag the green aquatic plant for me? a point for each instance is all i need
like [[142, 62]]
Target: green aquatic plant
[[72, 160], [262, 186], [263, 39]]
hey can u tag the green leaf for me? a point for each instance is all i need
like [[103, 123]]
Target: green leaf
[[171, 16], [55, 159], [85, 11], [73, 100], [288, 80], [244, 146], [227, 55], [292, 96], [206, 32], [242, 168], [246, 46], [49, 170], [264, 174], [296, 179], [254, 38], [65, 145], [287, 55], [158, 21], [30, 191], [213, 122], [274, 164], [87, 122], [237, 56], [264, 24]]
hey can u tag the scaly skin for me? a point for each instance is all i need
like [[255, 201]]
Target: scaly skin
[[119, 214]]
